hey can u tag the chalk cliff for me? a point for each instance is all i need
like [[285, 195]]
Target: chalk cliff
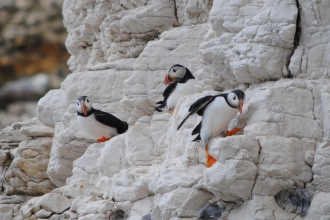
[[276, 167]]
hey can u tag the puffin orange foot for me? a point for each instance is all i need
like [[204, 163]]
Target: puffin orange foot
[[231, 132], [103, 139], [209, 159], [171, 111]]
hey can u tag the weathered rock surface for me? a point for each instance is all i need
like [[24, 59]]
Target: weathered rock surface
[[183, 202], [120, 54], [49, 113], [320, 207], [110, 31], [309, 60], [282, 168], [241, 35], [24, 164], [27, 172], [321, 169], [10, 206], [297, 114], [261, 207], [51, 202], [24, 157]]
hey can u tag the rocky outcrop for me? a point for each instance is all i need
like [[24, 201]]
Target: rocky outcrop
[[248, 42], [24, 157], [119, 55], [24, 166]]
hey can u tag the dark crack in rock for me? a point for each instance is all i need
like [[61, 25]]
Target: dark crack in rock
[[118, 215], [294, 200], [210, 212]]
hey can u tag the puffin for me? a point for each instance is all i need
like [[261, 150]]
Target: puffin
[[216, 111], [180, 82], [98, 124]]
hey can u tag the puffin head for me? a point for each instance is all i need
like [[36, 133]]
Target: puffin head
[[236, 99], [83, 105], [175, 73]]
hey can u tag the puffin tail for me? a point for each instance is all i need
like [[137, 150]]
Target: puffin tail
[[197, 130], [162, 105], [197, 139], [123, 128]]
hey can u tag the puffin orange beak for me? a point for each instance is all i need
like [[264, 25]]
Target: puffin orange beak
[[240, 106], [83, 107], [168, 79]]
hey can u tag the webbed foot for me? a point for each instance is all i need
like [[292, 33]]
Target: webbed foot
[[231, 132], [209, 159], [103, 139]]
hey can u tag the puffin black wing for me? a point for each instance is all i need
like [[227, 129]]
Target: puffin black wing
[[110, 120], [167, 92], [198, 107]]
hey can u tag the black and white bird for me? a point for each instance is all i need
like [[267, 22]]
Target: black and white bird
[[100, 125], [216, 111], [180, 82]]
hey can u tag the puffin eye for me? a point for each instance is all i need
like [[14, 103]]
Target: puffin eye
[[174, 70], [77, 103], [87, 100], [234, 98]]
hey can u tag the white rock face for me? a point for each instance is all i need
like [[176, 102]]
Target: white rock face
[[261, 207], [6, 211], [112, 157], [175, 174], [310, 60], [23, 164], [231, 181], [50, 202], [282, 163], [233, 176], [120, 52], [85, 166], [320, 168], [51, 107], [182, 202], [109, 31], [294, 113], [248, 42], [28, 168], [320, 207]]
